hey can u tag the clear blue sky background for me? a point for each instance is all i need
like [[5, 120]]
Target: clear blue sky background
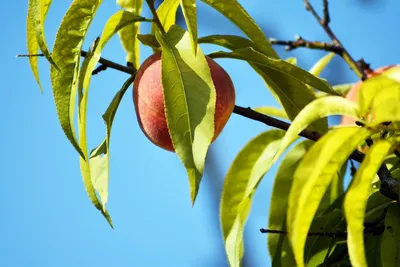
[[47, 219]]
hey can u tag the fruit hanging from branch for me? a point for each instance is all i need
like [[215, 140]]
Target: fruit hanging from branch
[[149, 100]]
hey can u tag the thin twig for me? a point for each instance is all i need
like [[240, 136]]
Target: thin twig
[[300, 42], [105, 62], [325, 25], [374, 230], [327, 18], [156, 19]]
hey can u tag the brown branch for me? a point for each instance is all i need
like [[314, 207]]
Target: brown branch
[[300, 42], [325, 25], [156, 19], [105, 62], [374, 230]]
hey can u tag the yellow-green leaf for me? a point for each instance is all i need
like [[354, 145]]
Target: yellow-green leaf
[[238, 15], [37, 12], [291, 93], [149, 40], [189, 97], [128, 34], [251, 55], [320, 108], [243, 177], [189, 12], [279, 199], [312, 178], [390, 247], [321, 64], [100, 156], [166, 12], [272, 111], [66, 54], [385, 105], [83, 93], [356, 200]]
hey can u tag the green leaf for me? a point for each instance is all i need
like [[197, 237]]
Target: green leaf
[[238, 15], [189, 97], [166, 12], [312, 178], [272, 111], [321, 64], [251, 55], [385, 105], [390, 247], [317, 247], [128, 34], [66, 54], [149, 40], [292, 94], [100, 156], [244, 175], [189, 12], [279, 199], [320, 108], [83, 90], [356, 200], [37, 12], [340, 89]]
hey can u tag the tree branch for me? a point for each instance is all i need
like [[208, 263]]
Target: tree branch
[[156, 19], [300, 42], [325, 25]]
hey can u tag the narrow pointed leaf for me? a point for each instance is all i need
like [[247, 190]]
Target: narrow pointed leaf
[[243, 177], [356, 200], [312, 178], [37, 12], [385, 105], [66, 54], [128, 34], [83, 93], [167, 14], [280, 193], [149, 40], [100, 156], [390, 247], [291, 93], [272, 111], [251, 55], [189, 12], [320, 108], [238, 15], [189, 97], [321, 64]]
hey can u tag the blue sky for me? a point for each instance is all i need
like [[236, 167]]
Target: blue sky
[[47, 218]]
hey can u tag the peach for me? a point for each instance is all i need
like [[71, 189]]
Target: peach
[[148, 99], [353, 92]]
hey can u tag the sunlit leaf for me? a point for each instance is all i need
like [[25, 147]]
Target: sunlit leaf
[[189, 97], [291, 93], [272, 111], [312, 178], [66, 54], [100, 156], [279, 199], [356, 200], [128, 34], [385, 105], [238, 15], [390, 246], [321, 64], [340, 89], [166, 12], [251, 55], [320, 108], [243, 177], [37, 12], [189, 12], [83, 93]]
